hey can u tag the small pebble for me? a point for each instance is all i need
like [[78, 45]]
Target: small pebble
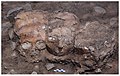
[[99, 10], [50, 27], [85, 56], [85, 48], [43, 27], [34, 72], [113, 21], [5, 67], [107, 44], [36, 67], [24, 53], [12, 71], [53, 38], [87, 23], [14, 54], [50, 38], [60, 62], [37, 61], [91, 48], [98, 70]]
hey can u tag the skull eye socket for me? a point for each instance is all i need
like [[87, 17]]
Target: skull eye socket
[[40, 44], [26, 45], [52, 38]]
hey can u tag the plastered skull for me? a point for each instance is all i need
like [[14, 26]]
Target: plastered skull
[[29, 27], [60, 41]]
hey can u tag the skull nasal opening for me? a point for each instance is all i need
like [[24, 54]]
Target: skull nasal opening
[[34, 52], [60, 45]]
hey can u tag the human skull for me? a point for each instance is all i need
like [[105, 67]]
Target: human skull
[[29, 28], [60, 41]]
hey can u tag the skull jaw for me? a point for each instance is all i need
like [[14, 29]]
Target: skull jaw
[[36, 58], [59, 51], [32, 58]]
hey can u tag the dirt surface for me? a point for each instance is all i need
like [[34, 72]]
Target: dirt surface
[[95, 46]]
